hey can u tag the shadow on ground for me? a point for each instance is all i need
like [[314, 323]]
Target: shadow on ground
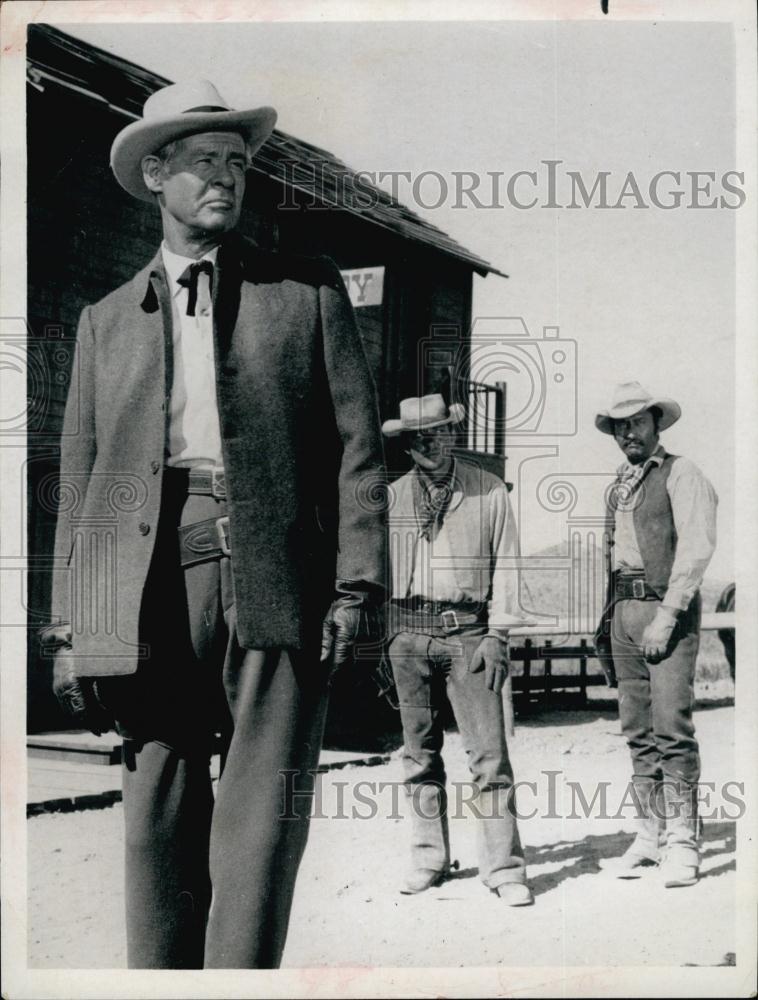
[[583, 857]]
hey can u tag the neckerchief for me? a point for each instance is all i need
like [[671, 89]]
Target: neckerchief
[[431, 499], [629, 479]]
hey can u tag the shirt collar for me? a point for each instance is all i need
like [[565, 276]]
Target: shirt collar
[[426, 480], [626, 468], [176, 265]]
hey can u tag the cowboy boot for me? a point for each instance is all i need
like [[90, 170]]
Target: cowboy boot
[[645, 850], [680, 866]]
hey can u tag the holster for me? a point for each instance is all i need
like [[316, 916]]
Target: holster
[[602, 637], [385, 680], [204, 540], [603, 649]]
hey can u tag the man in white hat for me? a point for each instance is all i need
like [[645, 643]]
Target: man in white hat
[[662, 523], [453, 544], [214, 563]]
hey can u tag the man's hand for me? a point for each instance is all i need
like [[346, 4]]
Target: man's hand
[[491, 655], [355, 616], [655, 638], [77, 696]]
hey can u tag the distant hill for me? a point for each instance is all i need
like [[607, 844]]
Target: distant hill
[[545, 591], [549, 589]]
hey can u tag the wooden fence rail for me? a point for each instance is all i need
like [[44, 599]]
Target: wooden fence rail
[[538, 646]]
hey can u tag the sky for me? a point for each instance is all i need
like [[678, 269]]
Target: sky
[[643, 293]]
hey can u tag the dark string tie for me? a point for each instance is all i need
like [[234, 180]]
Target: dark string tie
[[188, 278]]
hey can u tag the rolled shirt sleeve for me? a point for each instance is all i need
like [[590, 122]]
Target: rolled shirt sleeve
[[694, 503]]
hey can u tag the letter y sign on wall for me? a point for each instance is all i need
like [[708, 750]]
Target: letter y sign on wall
[[364, 286]]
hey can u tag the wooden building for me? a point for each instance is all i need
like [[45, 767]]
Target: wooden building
[[411, 283]]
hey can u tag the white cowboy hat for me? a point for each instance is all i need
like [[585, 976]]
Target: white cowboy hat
[[423, 412], [177, 111], [629, 399]]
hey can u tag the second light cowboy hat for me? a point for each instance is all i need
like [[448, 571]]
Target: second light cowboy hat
[[420, 413], [629, 399]]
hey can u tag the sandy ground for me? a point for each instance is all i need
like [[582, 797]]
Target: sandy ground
[[348, 911]]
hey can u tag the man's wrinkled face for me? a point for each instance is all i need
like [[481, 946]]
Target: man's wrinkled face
[[636, 436], [203, 182], [430, 449]]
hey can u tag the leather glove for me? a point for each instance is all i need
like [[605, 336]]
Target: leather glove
[[355, 616], [491, 656], [77, 696], [655, 638]]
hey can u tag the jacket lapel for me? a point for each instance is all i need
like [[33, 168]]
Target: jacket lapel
[[226, 293]]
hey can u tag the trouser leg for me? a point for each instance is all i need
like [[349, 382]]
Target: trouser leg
[[650, 817], [673, 696], [167, 808], [655, 705], [635, 698], [277, 702], [479, 714], [422, 759], [673, 701], [167, 713], [682, 834]]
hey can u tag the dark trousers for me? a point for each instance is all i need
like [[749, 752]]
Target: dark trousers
[[425, 669], [210, 884]]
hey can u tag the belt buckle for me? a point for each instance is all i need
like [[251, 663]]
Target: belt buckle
[[448, 617], [638, 589], [218, 484], [222, 530]]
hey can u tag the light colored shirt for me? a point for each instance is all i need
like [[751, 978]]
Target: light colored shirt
[[472, 558], [194, 432], [693, 505]]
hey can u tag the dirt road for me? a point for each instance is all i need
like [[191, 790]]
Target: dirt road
[[348, 911]]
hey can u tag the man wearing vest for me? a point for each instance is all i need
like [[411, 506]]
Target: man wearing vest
[[662, 527], [453, 544], [219, 430]]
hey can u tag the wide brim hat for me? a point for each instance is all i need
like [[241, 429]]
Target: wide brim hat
[[420, 413], [175, 112], [629, 399]]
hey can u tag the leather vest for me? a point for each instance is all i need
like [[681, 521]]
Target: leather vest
[[654, 526]]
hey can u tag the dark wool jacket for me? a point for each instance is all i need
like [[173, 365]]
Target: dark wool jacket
[[301, 443]]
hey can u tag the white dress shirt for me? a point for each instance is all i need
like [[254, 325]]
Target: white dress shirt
[[693, 505], [194, 432]]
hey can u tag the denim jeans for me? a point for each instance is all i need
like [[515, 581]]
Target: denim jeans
[[426, 668], [655, 708]]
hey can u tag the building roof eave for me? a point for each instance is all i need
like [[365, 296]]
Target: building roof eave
[[55, 58]]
